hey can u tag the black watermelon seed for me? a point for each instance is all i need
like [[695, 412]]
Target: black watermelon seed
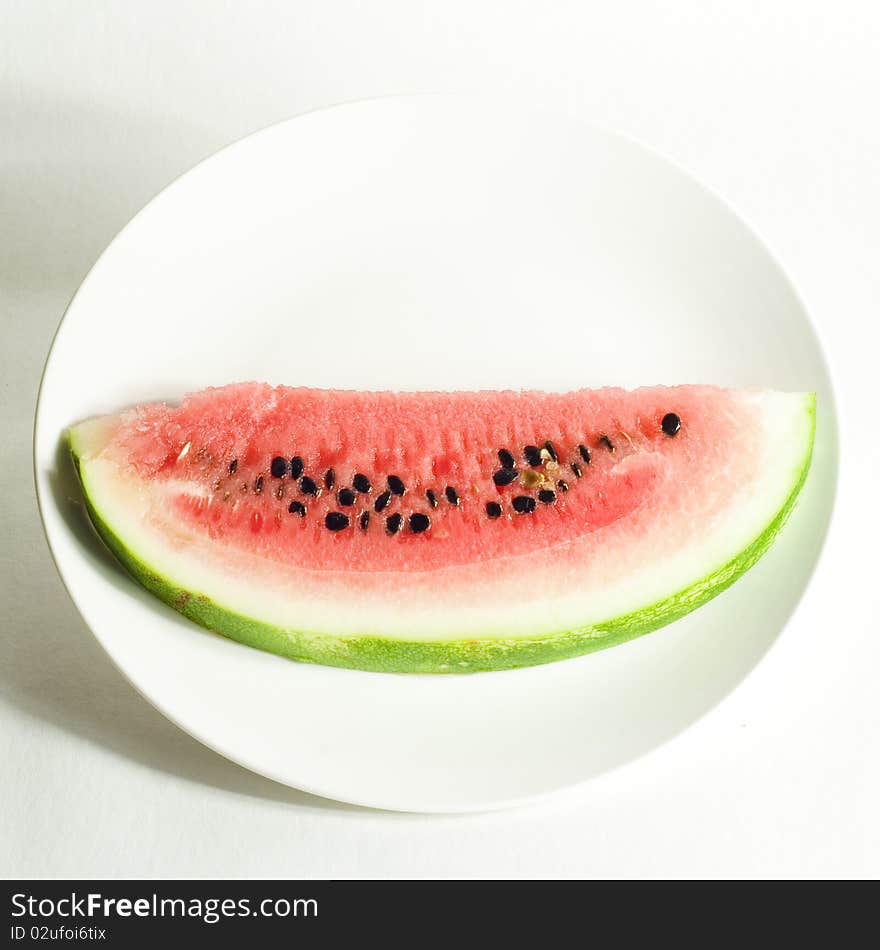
[[547, 496], [506, 459], [336, 521], [585, 454], [452, 495], [329, 479], [604, 440], [561, 485], [308, 487], [258, 484], [419, 522], [382, 501], [396, 485], [533, 455], [671, 423], [297, 508], [504, 476], [296, 467], [576, 469], [493, 509], [365, 520], [361, 483], [279, 467], [346, 497], [233, 465], [524, 504], [393, 523], [432, 498], [552, 450]]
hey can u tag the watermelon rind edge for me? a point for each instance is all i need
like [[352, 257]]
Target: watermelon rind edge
[[398, 655]]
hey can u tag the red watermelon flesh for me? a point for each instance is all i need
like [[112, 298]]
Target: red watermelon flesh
[[634, 499]]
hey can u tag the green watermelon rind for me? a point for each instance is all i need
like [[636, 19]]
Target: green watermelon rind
[[392, 655]]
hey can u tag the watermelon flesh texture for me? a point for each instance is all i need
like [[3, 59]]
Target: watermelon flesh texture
[[616, 528]]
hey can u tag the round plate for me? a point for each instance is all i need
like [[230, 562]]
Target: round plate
[[418, 243]]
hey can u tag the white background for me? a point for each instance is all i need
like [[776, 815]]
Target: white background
[[774, 105]]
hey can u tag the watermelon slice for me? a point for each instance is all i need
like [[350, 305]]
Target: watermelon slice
[[443, 532]]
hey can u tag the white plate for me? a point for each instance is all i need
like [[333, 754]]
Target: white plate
[[427, 242]]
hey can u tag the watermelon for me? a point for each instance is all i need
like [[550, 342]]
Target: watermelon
[[443, 531]]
